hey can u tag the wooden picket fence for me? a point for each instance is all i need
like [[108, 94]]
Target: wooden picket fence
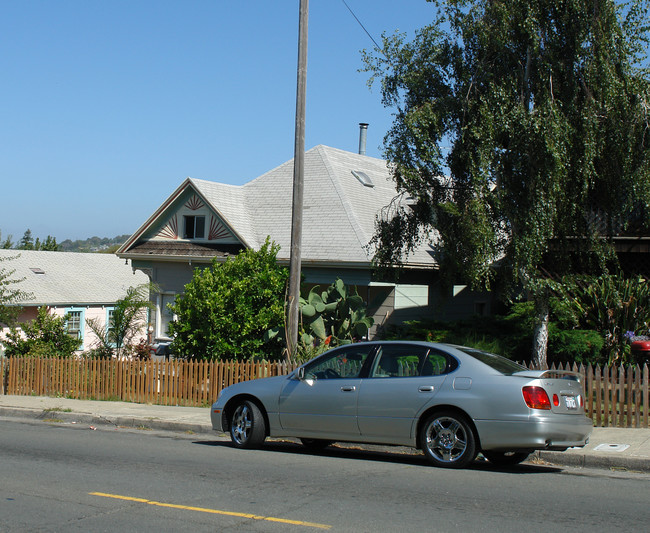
[[615, 396], [154, 382]]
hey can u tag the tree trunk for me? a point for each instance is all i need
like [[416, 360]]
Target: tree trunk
[[540, 335]]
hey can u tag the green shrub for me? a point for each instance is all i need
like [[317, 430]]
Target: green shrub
[[577, 345], [614, 306], [98, 352], [45, 336], [510, 335], [227, 308]]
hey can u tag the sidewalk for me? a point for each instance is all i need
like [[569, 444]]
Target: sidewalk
[[610, 448]]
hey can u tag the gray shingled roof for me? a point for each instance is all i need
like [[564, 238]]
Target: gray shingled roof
[[339, 211], [66, 278]]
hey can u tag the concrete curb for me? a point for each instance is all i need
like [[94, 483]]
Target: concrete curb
[[629, 464], [99, 420]]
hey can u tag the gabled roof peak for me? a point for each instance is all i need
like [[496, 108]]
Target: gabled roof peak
[[339, 209]]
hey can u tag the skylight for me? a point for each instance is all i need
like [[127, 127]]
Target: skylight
[[363, 178], [39, 271]]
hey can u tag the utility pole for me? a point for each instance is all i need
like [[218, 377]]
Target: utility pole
[[298, 185]]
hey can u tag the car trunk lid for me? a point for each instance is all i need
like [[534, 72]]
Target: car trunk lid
[[564, 389]]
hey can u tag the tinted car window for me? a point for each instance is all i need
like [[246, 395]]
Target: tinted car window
[[402, 360], [345, 362], [437, 363], [497, 362]]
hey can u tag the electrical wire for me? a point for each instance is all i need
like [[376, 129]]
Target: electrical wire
[[379, 48]]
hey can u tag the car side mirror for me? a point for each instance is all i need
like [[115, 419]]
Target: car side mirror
[[300, 374]]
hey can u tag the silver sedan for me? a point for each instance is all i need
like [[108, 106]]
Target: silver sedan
[[451, 402]]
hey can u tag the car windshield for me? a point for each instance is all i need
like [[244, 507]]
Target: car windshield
[[497, 362]]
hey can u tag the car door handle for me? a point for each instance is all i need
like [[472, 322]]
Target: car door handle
[[348, 388], [425, 388]]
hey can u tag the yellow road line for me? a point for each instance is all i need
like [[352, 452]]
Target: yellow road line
[[211, 511]]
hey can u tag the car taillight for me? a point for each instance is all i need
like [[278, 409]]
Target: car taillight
[[536, 398], [556, 400]]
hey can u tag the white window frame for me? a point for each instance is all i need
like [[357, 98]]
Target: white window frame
[[193, 236], [82, 324]]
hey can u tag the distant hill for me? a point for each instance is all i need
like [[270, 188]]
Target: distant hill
[[94, 244]]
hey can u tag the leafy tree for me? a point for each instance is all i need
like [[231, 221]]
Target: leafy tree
[[511, 334], [93, 244], [117, 338], [544, 105], [45, 336], [7, 243], [10, 295], [27, 242], [227, 308], [48, 245]]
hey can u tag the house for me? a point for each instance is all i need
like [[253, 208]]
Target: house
[[344, 193], [82, 286]]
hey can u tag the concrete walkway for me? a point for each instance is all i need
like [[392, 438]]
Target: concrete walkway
[[611, 448]]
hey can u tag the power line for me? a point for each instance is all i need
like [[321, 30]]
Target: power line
[[379, 48]]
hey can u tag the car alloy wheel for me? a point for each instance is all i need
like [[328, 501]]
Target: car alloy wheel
[[247, 426], [448, 440]]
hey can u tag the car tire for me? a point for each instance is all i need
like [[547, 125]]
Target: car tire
[[247, 425], [505, 458], [447, 440], [316, 444]]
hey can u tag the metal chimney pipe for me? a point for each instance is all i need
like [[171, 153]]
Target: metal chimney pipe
[[363, 135]]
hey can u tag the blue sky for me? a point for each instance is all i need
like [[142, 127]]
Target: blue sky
[[107, 106]]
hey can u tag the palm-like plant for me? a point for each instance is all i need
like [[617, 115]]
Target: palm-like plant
[[614, 306], [126, 321]]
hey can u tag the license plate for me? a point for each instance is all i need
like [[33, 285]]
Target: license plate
[[570, 402]]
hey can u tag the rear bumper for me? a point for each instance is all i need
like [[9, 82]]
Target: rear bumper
[[536, 433]]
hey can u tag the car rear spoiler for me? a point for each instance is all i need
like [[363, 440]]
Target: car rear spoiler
[[550, 374]]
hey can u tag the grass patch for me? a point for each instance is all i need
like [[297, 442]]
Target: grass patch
[[57, 410]]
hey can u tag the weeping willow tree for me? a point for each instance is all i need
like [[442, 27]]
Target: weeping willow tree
[[517, 125]]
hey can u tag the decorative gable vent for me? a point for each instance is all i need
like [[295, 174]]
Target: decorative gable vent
[[170, 230], [363, 178], [194, 203]]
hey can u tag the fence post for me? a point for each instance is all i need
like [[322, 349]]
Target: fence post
[[630, 392], [645, 395], [606, 376], [621, 396]]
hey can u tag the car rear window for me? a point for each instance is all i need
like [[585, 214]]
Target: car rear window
[[497, 362]]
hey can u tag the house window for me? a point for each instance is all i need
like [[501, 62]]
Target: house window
[[164, 314], [480, 308], [194, 227], [75, 324], [109, 326]]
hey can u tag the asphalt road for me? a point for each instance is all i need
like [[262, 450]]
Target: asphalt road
[[73, 478]]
